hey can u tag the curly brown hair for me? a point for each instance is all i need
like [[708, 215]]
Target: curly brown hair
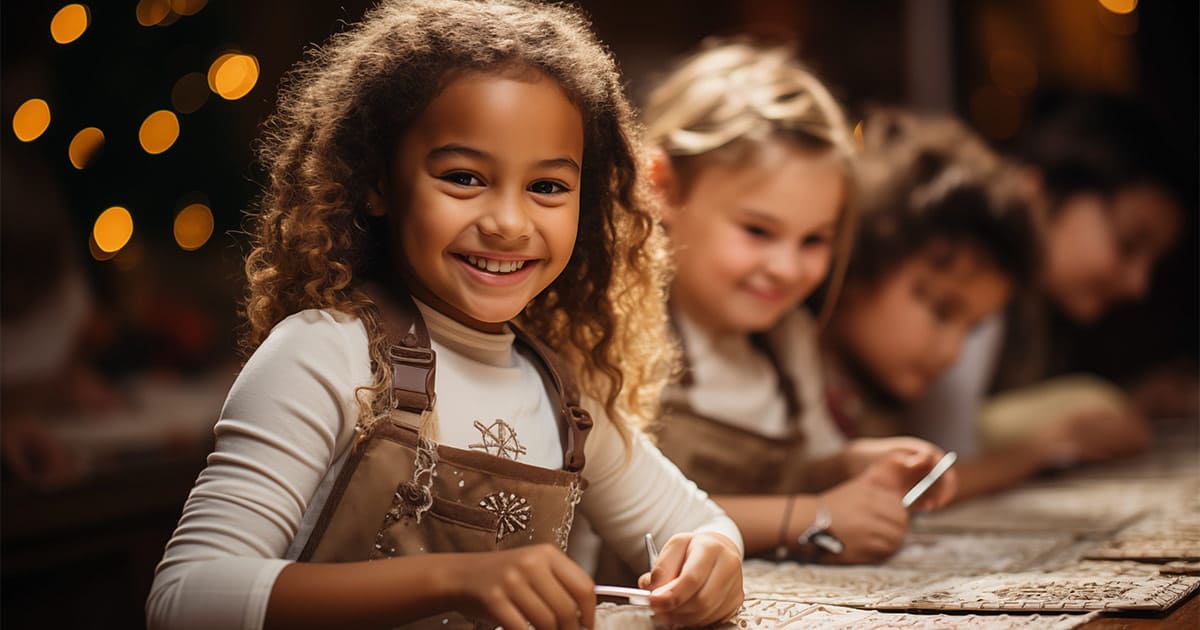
[[342, 110]]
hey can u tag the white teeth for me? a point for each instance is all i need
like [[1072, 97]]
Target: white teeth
[[496, 266]]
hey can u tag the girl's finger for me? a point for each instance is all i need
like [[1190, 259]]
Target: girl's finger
[[580, 588], [507, 615], [697, 567], [530, 599], [708, 604], [670, 562]]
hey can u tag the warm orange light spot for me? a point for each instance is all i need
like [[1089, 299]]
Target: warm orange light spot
[[193, 226], [190, 93], [152, 12], [188, 7], [31, 119], [233, 75], [84, 146], [858, 135], [95, 250], [113, 229], [69, 23], [1120, 7], [159, 131]]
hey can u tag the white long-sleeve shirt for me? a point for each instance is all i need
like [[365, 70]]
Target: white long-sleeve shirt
[[732, 381], [286, 428]]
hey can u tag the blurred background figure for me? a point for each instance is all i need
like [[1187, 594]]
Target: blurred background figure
[[1103, 185]]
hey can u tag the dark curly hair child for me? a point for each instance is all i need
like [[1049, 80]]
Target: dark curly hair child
[[453, 263]]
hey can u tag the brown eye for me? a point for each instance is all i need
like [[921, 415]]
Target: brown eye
[[547, 187], [462, 178]]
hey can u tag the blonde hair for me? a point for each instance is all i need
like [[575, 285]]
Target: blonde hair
[[342, 110], [726, 102]]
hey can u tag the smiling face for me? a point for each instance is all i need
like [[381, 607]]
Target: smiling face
[[752, 242], [1100, 253], [908, 328], [484, 195]]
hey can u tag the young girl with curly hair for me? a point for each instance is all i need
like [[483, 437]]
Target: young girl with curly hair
[[453, 265], [754, 166], [946, 239]]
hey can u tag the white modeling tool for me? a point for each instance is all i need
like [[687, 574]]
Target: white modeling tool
[[929, 479]]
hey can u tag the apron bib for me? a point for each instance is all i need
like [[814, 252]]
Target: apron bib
[[399, 494]]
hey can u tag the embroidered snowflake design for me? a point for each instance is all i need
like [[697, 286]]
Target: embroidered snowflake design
[[498, 438], [512, 512]]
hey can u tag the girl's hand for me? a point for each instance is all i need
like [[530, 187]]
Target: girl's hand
[[914, 456], [696, 581], [536, 586], [1094, 436]]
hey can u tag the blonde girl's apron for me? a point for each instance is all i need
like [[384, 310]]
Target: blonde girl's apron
[[399, 494], [724, 459]]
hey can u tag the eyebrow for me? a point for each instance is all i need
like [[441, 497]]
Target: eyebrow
[[751, 213], [464, 150]]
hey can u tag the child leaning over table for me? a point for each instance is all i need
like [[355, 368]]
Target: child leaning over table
[[753, 166]]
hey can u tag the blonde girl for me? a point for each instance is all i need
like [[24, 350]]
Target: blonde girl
[[454, 216], [753, 164]]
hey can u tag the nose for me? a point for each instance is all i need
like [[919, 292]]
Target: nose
[[946, 351], [790, 266], [507, 218]]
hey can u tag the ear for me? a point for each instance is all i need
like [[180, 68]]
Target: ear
[[376, 201], [665, 183]]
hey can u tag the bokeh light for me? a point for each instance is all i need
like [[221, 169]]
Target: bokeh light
[[187, 7], [84, 147], [233, 75], [858, 135], [152, 12], [159, 131], [69, 23], [190, 93], [193, 226], [113, 229], [31, 120], [1119, 7]]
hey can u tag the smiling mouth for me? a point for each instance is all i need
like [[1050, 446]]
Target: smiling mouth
[[494, 266]]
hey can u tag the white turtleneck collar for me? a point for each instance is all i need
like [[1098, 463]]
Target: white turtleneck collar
[[495, 349]]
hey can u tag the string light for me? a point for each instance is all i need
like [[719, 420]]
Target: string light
[[69, 23], [31, 120], [152, 12], [113, 229], [84, 146], [193, 226], [1120, 7], [233, 75], [159, 131]]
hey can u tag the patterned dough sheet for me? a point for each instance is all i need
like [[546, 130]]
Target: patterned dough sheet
[[1170, 535], [1094, 507], [766, 613], [858, 586], [977, 553], [1091, 587]]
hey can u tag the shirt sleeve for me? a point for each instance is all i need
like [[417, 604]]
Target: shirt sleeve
[[646, 493], [948, 413], [289, 414]]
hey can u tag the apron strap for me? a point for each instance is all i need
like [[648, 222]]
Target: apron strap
[[577, 419], [413, 361]]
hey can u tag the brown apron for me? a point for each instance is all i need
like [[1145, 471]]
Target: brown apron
[[399, 494], [725, 459], [719, 457]]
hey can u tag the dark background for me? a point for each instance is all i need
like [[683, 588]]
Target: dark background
[[84, 555]]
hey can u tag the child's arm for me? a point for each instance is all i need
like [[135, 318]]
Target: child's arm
[[867, 515], [535, 585], [698, 577]]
